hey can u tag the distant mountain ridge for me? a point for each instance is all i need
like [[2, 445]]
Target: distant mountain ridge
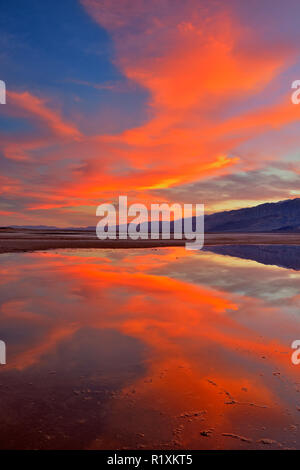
[[282, 216]]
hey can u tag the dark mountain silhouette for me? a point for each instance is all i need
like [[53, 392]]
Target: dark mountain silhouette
[[283, 216]]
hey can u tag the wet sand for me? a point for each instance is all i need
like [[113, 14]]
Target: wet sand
[[22, 240]]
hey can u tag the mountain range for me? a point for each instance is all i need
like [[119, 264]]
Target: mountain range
[[282, 216]]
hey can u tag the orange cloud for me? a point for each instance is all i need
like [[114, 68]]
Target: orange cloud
[[36, 107], [191, 62]]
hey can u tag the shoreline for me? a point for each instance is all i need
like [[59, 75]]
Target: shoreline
[[17, 240]]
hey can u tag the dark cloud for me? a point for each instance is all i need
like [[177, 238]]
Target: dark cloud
[[276, 183]]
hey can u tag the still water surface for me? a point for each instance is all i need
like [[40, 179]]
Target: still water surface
[[156, 348]]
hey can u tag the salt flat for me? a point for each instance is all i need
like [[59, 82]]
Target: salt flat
[[14, 240]]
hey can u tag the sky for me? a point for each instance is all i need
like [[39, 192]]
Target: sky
[[162, 101]]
